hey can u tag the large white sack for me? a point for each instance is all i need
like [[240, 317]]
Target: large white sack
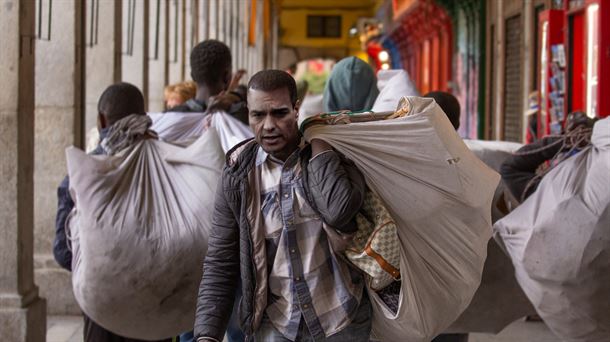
[[499, 300], [139, 233], [559, 242], [184, 128], [493, 154], [392, 84], [439, 194], [312, 104]]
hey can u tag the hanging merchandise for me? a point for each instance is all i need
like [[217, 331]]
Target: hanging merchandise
[[552, 66], [139, 233], [184, 128], [559, 242], [439, 195]]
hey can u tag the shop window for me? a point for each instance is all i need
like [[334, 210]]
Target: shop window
[[323, 26]]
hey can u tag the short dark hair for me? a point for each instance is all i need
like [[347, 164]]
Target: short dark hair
[[449, 104], [120, 100], [269, 80], [210, 61]]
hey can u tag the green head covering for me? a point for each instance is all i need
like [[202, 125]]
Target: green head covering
[[352, 85]]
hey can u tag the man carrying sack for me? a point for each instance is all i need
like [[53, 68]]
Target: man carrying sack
[[282, 210]]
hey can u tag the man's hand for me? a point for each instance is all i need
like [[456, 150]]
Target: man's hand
[[236, 78]]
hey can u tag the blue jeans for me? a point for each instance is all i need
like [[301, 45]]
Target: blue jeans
[[359, 330]]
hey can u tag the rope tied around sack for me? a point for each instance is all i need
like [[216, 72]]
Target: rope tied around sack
[[576, 139], [126, 132]]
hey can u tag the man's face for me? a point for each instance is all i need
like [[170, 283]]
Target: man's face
[[273, 120]]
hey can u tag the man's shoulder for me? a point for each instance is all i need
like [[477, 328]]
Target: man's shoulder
[[240, 156]]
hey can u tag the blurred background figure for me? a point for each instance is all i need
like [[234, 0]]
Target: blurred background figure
[[523, 171], [352, 85], [177, 94], [449, 104]]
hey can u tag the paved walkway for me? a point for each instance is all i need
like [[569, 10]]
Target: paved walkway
[[70, 329]]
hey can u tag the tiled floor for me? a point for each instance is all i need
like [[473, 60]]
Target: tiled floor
[[70, 329], [64, 329]]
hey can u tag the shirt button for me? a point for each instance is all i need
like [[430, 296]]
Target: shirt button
[[286, 195], [293, 250], [305, 306], [297, 278]]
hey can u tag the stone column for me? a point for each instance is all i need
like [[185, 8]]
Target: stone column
[[204, 20], [134, 67], [176, 48], [157, 64], [189, 36], [213, 19], [103, 53], [22, 312], [59, 113]]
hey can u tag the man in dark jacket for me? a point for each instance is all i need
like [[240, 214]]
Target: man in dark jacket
[[520, 172], [280, 206], [211, 70], [117, 101]]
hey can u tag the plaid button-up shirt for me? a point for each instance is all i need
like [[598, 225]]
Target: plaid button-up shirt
[[306, 279]]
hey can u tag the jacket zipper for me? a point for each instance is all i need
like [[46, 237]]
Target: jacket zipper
[[244, 210]]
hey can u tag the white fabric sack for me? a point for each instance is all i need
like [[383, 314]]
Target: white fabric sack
[[392, 84], [139, 233], [439, 194], [499, 300], [312, 104], [493, 154], [559, 242], [184, 128]]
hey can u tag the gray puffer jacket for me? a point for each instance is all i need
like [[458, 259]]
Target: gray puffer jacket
[[333, 186]]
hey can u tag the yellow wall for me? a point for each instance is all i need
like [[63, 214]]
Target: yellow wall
[[294, 28]]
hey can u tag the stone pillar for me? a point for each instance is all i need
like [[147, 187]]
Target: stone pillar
[[58, 114], [103, 53], [176, 48], [204, 20], [22, 312], [242, 36], [157, 64], [134, 67], [213, 19], [189, 36]]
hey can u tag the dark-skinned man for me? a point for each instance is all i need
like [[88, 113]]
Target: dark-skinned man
[[279, 204]]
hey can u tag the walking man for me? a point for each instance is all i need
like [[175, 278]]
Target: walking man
[[282, 207]]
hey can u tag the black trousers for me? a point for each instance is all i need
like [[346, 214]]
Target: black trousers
[[95, 333]]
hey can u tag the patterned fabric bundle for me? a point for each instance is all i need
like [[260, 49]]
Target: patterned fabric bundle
[[126, 132], [375, 248]]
